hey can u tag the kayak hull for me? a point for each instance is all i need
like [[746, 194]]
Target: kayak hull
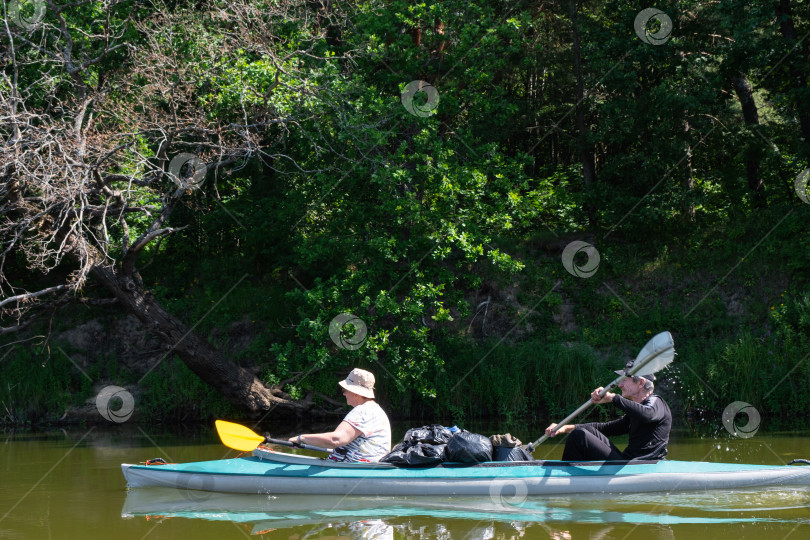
[[277, 473], [526, 485]]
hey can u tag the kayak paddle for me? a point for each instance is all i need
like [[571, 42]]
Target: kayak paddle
[[657, 354], [244, 439]]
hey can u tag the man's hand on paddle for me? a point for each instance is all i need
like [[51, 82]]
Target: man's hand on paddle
[[607, 398], [568, 428]]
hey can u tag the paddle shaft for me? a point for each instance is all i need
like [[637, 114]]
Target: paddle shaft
[[574, 414], [282, 442], [637, 368], [245, 439]]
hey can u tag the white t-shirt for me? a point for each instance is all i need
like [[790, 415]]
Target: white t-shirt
[[375, 441]]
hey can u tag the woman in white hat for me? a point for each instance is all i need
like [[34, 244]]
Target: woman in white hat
[[365, 433]]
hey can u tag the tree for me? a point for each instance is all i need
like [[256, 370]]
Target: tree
[[798, 67], [586, 154], [114, 116]]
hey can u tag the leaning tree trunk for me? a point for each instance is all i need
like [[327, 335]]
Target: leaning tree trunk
[[236, 383], [751, 116]]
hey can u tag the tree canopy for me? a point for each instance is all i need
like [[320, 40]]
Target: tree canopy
[[388, 160]]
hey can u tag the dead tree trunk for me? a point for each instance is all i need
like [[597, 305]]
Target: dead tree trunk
[[237, 384]]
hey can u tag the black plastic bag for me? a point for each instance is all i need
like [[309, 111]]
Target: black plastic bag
[[421, 446], [434, 434], [418, 454], [466, 447], [505, 453]]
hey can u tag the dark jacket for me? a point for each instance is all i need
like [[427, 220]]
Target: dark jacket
[[648, 424]]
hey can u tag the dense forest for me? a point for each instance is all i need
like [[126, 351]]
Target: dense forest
[[222, 207]]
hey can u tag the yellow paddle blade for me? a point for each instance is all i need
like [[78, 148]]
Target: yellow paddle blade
[[238, 437]]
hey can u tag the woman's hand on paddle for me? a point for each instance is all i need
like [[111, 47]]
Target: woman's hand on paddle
[[607, 398], [568, 428], [343, 435]]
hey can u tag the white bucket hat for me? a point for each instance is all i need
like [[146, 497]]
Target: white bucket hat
[[359, 381]]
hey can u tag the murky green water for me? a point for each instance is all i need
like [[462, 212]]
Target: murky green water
[[69, 485]]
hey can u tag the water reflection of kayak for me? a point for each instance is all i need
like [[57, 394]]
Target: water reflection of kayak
[[277, 472], [272, 512]]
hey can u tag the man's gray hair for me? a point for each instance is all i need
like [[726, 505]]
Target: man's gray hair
[[648, 384]]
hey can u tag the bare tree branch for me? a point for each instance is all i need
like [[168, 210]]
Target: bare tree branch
[[91, 119], [30, 296]]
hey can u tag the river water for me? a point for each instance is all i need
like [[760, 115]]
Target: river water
[[68, 484]]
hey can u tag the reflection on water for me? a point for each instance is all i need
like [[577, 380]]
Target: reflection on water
[[300, 516], [378, 529]]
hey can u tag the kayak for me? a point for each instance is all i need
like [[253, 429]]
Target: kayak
[[271, 472]]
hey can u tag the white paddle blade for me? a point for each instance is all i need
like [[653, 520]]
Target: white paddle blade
[[657, 354]]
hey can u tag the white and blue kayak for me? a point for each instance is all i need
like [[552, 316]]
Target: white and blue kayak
[[271, 472]]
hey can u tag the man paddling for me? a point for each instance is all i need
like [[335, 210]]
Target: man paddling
[[365, 433], [647, 420]]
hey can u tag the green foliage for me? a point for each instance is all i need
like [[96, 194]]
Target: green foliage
[[407, 222], [768, 368], [530, 379], [39, 387], [172, 393]]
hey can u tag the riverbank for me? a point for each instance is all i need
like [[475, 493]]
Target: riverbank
[[527, 347]]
